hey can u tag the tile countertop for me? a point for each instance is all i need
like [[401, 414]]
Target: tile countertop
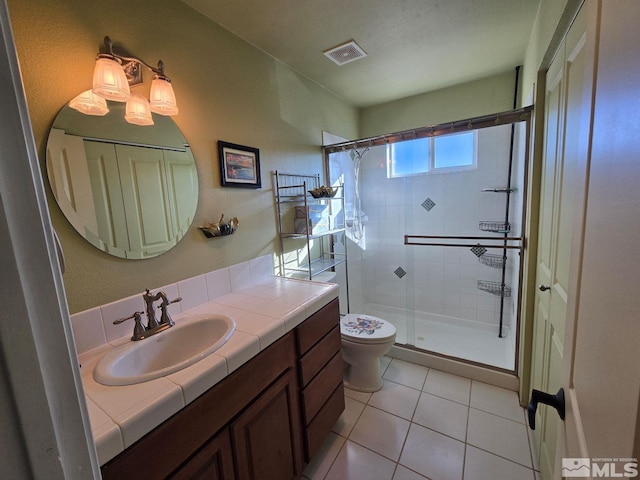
[[263, 313]]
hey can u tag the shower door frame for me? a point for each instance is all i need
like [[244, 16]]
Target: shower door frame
[[510, 117]]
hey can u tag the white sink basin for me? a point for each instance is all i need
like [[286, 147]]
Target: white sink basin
[[166, 352]]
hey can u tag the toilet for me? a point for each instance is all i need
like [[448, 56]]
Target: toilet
[[365, 339]]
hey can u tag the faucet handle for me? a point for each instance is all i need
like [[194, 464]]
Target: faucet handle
[[165, 318], [135, 315], [138, 329]]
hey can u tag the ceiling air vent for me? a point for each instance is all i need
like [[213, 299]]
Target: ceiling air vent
[[345, 53]]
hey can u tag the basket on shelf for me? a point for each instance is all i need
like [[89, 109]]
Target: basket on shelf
[[491, 260], [495, 227], [495, 288]]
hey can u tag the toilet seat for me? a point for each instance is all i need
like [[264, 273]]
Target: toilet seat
[[366, 329]]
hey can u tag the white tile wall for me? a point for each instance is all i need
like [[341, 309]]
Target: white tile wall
[[240, 275], [88, 329], [116, 310], [193, 292], [218, 283], [94, 327]]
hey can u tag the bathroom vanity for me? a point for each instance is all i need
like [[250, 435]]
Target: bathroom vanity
[[265, 420]]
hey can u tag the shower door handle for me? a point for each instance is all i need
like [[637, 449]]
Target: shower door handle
[[544, 288], [556, 401]]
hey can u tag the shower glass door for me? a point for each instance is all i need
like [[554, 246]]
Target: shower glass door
[[445, 299]]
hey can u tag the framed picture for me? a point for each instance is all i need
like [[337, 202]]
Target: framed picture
[[239, 165]]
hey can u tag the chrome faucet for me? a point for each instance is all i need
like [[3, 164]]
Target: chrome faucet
[[141, 332], [149, 298]]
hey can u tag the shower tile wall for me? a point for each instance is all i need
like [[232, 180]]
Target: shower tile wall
[[440, 280]]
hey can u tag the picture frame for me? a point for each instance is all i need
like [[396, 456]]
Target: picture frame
[[239, 165]]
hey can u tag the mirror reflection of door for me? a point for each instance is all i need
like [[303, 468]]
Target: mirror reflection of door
[[132, 199], [137, 197]]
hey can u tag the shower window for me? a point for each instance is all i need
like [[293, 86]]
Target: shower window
[[432, 155]]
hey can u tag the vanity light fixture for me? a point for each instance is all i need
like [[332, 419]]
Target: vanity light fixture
[[112, 77], [138, 110], [90, 104]]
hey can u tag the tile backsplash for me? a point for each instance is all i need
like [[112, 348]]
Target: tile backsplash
[[94, 327]]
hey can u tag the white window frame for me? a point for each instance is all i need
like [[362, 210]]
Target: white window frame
[[431, 168]]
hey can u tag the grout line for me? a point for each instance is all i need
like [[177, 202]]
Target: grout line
[[466, 436], [500, 416], [464, 458], [378, 453], [500, 456], [388, 413], [530, 437], [335, 458], [446, 398]]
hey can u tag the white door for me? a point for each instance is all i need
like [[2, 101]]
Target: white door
[[110, 234], [147, 201], [182, 181], [602, 360], [586, 327], [69, 179], [563, 183]]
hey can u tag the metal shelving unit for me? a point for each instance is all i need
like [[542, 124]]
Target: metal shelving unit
[[315, 223]]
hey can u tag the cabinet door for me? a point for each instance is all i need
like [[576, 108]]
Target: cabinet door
[[214, 461], [267, 435]]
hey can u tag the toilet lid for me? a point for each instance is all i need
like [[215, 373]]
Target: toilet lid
[[366, 328]]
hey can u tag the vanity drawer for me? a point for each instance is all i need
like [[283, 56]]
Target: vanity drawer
[[326, 418], [315, 395], [317, 326], [319, 355]]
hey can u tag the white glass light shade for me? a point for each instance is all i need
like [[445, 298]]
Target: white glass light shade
[[163, 100], [90, 104], [137, 110], [110, 81]]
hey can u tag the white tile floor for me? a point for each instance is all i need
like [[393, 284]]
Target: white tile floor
[[426, 424]]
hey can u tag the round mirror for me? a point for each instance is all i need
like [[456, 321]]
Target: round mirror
[[131, 191]]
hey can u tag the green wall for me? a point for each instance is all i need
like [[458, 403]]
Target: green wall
[[468, 100], [226, 90]]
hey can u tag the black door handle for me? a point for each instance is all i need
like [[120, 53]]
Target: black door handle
[[556, 401]]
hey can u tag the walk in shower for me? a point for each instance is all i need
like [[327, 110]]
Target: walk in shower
[[434, 227]]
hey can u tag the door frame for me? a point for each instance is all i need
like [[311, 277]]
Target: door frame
[[530, 259], [49, 434]]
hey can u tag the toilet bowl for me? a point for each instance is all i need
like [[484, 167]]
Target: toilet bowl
[[364, 340]]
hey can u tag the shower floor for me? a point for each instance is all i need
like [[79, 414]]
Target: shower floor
[[464, 339]]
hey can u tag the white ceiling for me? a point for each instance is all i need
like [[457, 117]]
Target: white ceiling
[[413, 46]]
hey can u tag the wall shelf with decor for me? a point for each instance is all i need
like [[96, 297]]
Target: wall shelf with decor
[[220, 228], [310, 222]]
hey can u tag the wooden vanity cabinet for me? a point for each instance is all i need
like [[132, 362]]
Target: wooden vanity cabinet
[[266, 436], [214, 461], [318, 341], [253, 424]]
